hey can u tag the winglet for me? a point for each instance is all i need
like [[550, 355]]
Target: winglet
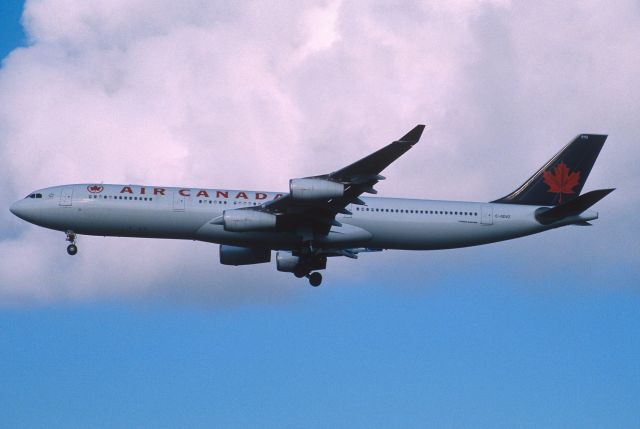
[[413, 136], [370, 166]]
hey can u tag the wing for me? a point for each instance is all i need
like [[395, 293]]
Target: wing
[[319, 212]]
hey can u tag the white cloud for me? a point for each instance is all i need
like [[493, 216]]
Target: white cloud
[[245, 94]]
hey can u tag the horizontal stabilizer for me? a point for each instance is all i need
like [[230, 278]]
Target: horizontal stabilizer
[[571, 208]]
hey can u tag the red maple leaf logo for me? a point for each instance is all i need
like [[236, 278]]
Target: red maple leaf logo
[[562, 180], [95, 189]]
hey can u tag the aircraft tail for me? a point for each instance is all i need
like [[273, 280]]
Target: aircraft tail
[[572, 208], [561, 179]]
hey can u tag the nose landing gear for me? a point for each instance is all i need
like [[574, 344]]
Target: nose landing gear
[[72, 249]]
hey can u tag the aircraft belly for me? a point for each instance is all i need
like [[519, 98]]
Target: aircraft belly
[[127, 221], [345, 235], [269, 239], [441, 235]]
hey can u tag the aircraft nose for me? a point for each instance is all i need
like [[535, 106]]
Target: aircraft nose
[[17, 209]]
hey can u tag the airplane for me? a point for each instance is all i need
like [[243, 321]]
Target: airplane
[[322, 216]]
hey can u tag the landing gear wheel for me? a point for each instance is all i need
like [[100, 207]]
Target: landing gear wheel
[[315, 279], [72, 249]]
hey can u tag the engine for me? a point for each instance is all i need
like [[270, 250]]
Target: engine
[[234, 255], [313, 189], [286, 262], [247, 220]]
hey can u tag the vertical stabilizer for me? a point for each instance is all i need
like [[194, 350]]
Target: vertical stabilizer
[[561, 179]]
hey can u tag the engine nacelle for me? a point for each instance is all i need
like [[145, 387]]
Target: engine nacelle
[[247, 220], [314, 189], [286, 262], [234, 255]]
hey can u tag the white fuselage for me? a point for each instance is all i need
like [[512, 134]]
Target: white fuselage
[[187, 213]]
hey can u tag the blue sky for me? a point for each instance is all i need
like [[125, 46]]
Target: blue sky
[[539, 332], [12, 34], [465, 354]]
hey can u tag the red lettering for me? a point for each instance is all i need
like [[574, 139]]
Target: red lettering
[[260, 195], [224, 194], [278, 196], [242, 195], [203, 193], [184, 192], [158, 191], [126, 189], [143, 191]]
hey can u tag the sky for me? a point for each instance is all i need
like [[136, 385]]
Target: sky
[[540, 331]]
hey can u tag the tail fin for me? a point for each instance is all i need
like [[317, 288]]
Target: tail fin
[[561, 179], [574, 207]]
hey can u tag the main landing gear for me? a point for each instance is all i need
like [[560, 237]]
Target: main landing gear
[[72, 249], [315, 278], [309, 261]]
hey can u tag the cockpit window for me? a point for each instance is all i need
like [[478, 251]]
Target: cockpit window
[[33, 196]]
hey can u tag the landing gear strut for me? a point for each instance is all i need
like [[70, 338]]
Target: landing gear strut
[[301, 271], [72, 249], [307, 262]]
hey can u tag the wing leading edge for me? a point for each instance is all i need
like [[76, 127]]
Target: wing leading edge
[[357, 178]]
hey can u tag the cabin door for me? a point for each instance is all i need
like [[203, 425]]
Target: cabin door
[[66, 197], [486, 217], [178, 201]]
